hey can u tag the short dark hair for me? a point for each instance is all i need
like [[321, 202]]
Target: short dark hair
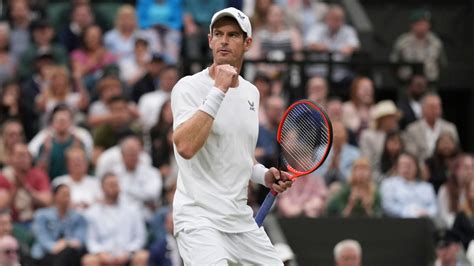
[[59, 108], [59, 187]]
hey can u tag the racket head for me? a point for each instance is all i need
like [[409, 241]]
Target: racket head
[[304, 137]]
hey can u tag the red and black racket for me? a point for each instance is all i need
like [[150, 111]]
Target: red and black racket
[[304, 138]]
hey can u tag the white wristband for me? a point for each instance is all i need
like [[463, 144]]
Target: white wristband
[[212, 102], [258, 174]]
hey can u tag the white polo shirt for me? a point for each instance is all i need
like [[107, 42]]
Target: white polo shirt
[[212, 185]]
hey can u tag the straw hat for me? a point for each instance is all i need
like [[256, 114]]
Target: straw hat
[[385, 108]]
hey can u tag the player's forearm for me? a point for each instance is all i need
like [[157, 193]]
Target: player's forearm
[[191, 135]]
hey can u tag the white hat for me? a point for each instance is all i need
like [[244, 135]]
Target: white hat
[[385, 108], [242, 19]]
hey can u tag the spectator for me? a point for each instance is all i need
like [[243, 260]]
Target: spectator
[[356, 112], [162, 151], [27, 187], [260, 13], [317, 91], [8, 62], [19, 27], [43, 33], [57, 139], [305, 13], [440, 164], [384, 119], [334, 108], [338, 164], [463, 222], [452, 194], [107, 135], [266, 151], [333, 36], [92, 58], [196, 17], [22, 235], [264, 87], [348, 252], [9, 249], [306, 198], [11, 106], [151, 103], [81, 18], [405, 195], [165, 18], [59, 91], [360, 197], [116, 233], [410, 102], [85, 189], [150, 81], [421, 135], [133, 67], [99, 113], [12, 133], [60, 232], [141, 183], [420, 45], [392, 148], [448, 250], [165, 251], [121, 40]]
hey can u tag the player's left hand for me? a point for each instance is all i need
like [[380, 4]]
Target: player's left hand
[[277, 182]]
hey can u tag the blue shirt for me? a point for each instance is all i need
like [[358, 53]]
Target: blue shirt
[[167, 13], [348, 154], [48, 228]]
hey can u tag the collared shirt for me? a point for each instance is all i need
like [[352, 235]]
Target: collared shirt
[[406, 199], [431, 134], [48, 228], [115, 228]]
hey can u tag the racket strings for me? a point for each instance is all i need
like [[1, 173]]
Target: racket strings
[[304, 138]]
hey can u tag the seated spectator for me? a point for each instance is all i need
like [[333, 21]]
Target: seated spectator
[[8, 62], [151, 80], [59, 231], [405, 195], [20, 19], [43, 33], [165, 250], [317, 91], [9, 249], [107, 135], [23, 236], [11, 134], [116, 234], [449, 249], [121, 40], [384, 119], [336, 37], [27, 187], [85, 189], [419, 45], [463, 221], [334, 108], [267, 149], [264, 87], [452, 194], [305, 14], [60, 91], [356, 112], [165, 19], [133, 67], [81, 18], [392, 148], [348, 252], [11, 105], [306, 198], [99, 113], [338, 164], [420, 136], [141, 183], [360, 196], [58, 138], [151, 103], [259, 13], [441, 162], [410, 102], [92, 58]]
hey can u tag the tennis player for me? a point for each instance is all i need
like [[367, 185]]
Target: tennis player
[[215, 126]]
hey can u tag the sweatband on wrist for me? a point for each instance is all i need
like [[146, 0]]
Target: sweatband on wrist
[[258, 174], [212, 102]]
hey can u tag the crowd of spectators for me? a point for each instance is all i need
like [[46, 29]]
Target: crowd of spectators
[[86, 153]]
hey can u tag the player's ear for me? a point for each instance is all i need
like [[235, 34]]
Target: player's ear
[[209, 38], [247, 43]]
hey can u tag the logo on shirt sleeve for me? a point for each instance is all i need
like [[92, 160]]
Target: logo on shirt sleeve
[[251, 105]]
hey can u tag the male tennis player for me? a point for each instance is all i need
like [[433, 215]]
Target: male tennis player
[[215, 132]]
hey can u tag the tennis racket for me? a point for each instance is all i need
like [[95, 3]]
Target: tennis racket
[[304, 138]]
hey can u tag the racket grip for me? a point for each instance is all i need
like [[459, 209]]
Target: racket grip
[[265, 208]]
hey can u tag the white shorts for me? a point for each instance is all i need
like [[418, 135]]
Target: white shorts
[[208, 246]]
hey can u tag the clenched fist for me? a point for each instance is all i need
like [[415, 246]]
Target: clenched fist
[[226, 77]]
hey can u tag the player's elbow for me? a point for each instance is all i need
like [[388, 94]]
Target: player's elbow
[[184, 149]]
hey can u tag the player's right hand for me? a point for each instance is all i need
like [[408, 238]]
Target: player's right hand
[[225, 76]]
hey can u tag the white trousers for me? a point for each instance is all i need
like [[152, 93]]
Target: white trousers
[[208, 246]]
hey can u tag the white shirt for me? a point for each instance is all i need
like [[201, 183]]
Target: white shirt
[[86, 191], [143, 185], [113, 156], [149, 107], [115, 229], [416, 107], [212, 186], [123, 47], [83, 135], [431, 134]]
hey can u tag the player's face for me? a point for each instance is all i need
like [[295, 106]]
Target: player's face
[[227, 42]]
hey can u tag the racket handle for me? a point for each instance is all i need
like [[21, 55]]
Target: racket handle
[[265, 208]]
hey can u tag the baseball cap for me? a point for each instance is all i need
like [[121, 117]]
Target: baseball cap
[[242, 19], [420, 14]]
